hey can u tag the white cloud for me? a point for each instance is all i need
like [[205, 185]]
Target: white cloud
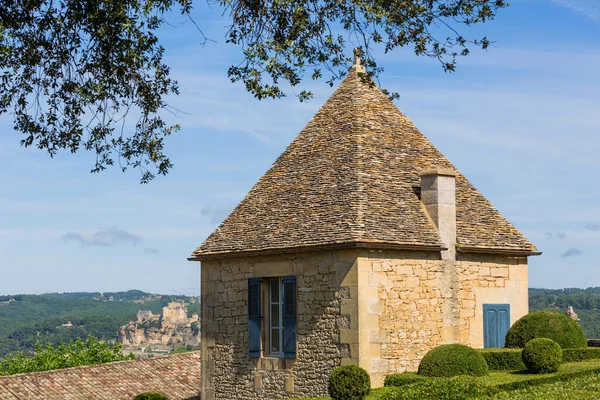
[[588, 8], [104, 238]]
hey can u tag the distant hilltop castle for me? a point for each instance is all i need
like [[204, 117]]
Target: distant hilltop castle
[[174, 315], [153, 333]]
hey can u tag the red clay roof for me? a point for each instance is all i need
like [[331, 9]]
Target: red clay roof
[[351, 178], [177, 376]]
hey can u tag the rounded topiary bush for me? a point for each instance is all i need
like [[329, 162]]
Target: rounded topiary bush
[[546, 324], [453, 359], [151, 396], [542, 355], [349, 382]]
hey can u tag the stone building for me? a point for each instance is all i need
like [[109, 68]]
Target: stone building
[[174, 314], [146, 315], [362, 244]]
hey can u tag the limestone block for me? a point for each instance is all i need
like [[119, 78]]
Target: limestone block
[[499, 272], [379, 337], [412, 282], [403, 269], [374, 307], [378, 365], [289, 384]]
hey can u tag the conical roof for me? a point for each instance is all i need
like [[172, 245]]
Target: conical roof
[[351, 179]]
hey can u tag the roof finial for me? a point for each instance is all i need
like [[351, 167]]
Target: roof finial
[[357, 66], [357, 56]]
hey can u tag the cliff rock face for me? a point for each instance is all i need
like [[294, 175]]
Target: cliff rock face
[[161, 334], [132, 335]]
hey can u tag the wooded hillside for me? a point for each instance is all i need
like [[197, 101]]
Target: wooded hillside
[[26, 319]]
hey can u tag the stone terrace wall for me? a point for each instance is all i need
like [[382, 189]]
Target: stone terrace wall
[[177, 376], [322, 280]]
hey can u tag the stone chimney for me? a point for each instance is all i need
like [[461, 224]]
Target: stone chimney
[[438, 194]]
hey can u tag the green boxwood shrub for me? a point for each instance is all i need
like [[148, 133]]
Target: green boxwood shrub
[[349, 382], [576, 355], [503, 359], [402, 379], [151, 396], [453, 359], [542, 355], [458, 388], [546, 324]]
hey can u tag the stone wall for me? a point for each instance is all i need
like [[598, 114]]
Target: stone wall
[[326, 307], [415, 301], [381, 310]]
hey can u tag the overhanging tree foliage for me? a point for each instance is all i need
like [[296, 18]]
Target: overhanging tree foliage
[[72, 71]]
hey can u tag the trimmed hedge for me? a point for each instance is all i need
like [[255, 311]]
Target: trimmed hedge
[[402, 379], [546, 324], [349, 382], [550, 379], [510, 359], [459, 388], [151, 396], [576, 355], [503, 359], [542, 355], [452, 359]]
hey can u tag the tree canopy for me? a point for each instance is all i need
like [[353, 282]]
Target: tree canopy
[[46, 358], [72, 71]]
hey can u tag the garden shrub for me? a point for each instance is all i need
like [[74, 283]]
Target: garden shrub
[[402, 379], [542, 355], [349, 382], [554, 378], [583, 354], [546, 324], [459, 388], [503, 359], [453, 359], [151, 396]]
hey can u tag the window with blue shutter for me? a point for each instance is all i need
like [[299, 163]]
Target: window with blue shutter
[[254, 317], [496, 322], [289, 316]]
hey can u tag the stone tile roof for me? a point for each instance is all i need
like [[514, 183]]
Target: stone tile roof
[[177, 376], [351, 178]]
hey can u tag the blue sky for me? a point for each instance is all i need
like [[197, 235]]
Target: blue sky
[[521, 121]]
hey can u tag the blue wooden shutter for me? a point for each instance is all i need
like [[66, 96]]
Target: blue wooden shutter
[[503, 323], [496, 321], [490, 337], [289, 316], [254, 317]]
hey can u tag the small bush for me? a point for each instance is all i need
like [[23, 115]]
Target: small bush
[[542, 356], [349, 382], [546, 324], [577, 355], [405, 378], [452, 359], [151, 396], [503, 359]]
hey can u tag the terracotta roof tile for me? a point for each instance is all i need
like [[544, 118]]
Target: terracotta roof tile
[[351, 176], [177, 376]]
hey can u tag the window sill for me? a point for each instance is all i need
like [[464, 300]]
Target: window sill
[[270, 363]]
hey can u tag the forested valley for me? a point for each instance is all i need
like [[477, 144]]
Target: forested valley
[[63, 317]]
